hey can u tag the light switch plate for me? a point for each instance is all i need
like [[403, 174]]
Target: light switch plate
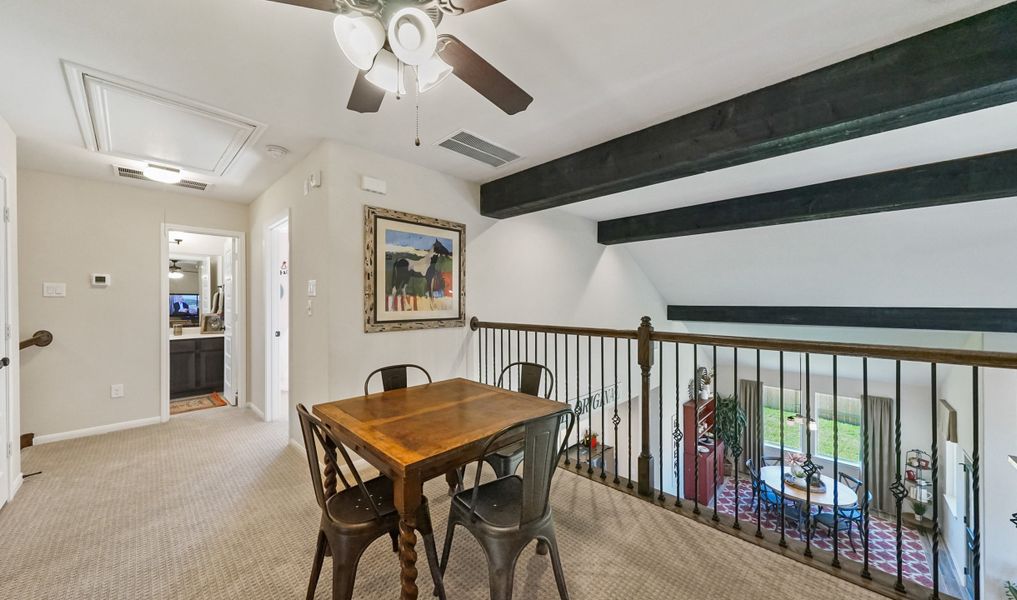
[[54, 290], [116, 390], [312, 288]]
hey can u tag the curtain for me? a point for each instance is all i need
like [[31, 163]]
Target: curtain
[[752, 403], [879, 454]]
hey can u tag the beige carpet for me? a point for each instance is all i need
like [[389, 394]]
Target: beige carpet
[[215, 505]]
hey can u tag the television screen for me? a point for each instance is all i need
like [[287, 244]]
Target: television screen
[[184, 307]]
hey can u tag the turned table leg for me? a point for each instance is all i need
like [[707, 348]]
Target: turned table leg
[[408, 493]]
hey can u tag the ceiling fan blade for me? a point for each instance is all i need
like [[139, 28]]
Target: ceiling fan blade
[[366, 97], [482, 76], [325, 5], [464, 6]]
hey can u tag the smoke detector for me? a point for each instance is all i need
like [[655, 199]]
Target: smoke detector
[[276, 151]]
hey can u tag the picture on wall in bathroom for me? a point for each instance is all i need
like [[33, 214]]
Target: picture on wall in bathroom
[[414, 268]]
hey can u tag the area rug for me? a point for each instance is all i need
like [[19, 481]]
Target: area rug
[[882, 549], [185, 405]]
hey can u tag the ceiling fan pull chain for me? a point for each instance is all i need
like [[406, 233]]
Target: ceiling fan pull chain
[[416, 97]]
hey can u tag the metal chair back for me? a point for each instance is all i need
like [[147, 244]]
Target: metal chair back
[[394, 377], [852, 482], [317, 436], [542, 453], [530, 374]]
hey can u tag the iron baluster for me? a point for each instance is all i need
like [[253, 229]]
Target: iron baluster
[[759, 426], [629, 404], [897, 488], [783, 497], [866, 516], [660, 419], [736, 450], [678, 436], [579, 398], [616, 419], [836, 474], [603, 414], [566, 381], [695, 425], [716, 438], [976, 492], [589, 401], [935, 483], [510, 358], [809, 468]]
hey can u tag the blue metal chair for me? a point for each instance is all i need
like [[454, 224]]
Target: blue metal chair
[[848, 517], [760, 491]]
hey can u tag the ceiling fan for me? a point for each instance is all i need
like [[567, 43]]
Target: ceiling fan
[[384, 37]]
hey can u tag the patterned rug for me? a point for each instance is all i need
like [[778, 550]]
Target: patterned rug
[[882, 547], [185, 405]]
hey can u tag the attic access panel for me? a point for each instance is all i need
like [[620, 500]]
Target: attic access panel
[[131, 120]]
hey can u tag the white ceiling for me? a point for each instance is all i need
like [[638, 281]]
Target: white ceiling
[[596, 71], [196, 244]]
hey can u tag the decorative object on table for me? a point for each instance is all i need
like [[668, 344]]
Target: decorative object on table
[[705, 379], [178, 329], [212, 324], [730, 422], [797, 473], [414, 272], [589, 440]]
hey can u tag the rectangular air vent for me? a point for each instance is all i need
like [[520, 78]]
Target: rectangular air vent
[[136, 174], [471, 146]]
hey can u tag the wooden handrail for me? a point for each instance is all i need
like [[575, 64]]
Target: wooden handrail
[[40, 338], [973, 358]]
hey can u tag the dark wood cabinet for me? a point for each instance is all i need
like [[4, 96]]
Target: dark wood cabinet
[[196, 366], [702, 451]]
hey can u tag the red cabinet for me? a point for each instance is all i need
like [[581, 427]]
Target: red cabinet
[[696, 425]]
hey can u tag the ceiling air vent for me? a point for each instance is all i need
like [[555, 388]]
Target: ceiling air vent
[[471, 146], [136, 174]]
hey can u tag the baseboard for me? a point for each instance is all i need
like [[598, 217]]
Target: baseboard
[[16, 485], [99, 430], [258, 411]]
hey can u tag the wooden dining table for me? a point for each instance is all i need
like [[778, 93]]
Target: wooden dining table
[[845, 496], [415, 434]]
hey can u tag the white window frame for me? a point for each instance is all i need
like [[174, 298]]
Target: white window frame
[[802, 432]]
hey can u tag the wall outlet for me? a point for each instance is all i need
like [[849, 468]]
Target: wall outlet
[[116, 390]]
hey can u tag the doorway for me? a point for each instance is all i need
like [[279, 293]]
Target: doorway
[[203, 332], [6, 432], [278, 327]]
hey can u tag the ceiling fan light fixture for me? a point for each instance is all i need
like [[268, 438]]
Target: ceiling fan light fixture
[[175, 272], [162, 174], [431, 73], [412, 36], [387, 74], [360, 39]]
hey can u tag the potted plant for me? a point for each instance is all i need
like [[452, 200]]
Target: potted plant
[[1011, 590], [705, 379], [730, 421], [920, 509]]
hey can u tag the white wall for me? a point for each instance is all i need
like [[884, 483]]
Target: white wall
[[72, 227], [9, 169], [544, 268]]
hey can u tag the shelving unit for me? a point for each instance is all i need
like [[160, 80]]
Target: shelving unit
[[704, 421], [918, 473]]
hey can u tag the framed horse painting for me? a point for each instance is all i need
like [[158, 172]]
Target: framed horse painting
[[414, 271]]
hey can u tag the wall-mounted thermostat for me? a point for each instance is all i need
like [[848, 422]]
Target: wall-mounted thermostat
[[100, 280]]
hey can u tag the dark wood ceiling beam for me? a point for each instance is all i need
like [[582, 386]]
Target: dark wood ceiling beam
[[947, 319], [962, 67], [951, 182]]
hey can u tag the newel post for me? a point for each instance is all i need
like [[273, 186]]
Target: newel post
[[645, 356]]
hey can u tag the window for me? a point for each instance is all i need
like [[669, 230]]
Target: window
[[773, 421], [849, 427]]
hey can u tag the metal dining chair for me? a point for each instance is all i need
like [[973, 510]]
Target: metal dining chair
[[506, 514], [394, 377], [506, 460], [354, 517], [760, 491], [848, 517]]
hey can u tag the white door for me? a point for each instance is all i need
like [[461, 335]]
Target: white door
[[5, 441], [279, 328], [229, 258]]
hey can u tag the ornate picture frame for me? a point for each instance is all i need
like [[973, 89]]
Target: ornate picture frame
[[414, 271]]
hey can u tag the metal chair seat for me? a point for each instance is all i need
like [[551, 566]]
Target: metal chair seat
[[350, 507], [498, 501]]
